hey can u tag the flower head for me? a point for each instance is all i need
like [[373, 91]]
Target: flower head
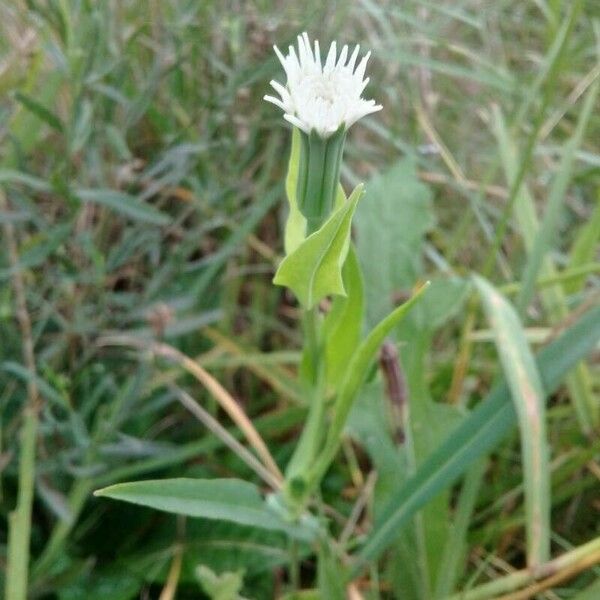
[[322, 98]]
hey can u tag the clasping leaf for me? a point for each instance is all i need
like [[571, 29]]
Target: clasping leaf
[[314, 269]]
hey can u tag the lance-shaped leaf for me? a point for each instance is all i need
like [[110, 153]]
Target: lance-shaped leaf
[[314, 269], [343, 325], [528, 396], [224, 499], [354, 378]]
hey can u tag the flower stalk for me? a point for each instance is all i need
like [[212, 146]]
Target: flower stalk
[[322, 99]]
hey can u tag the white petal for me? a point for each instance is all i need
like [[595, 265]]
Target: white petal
[[279, 56], [330, 62], [297, 122], [353, 58], [318, 55], [322, 97], [360, 70], [307, 47], [276, 102], [343, 55]]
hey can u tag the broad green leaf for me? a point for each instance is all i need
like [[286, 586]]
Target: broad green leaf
[[390, 224], [125, 204], [526, 390], [224, 499], [485, 427], [343, 325], [314, 269], [444, 300]]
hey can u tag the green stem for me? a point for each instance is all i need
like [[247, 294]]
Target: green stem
[[312, 434], [20, 519]]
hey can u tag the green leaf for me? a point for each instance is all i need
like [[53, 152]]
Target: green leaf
[[553, 298], [549, 226], [592, 592], [124, 203], [314, 269], [343, 324], [584, 248], [390, 224], [14, 176], [295, 227], [224, 499], [40, 111], [355, 376], [487, 425], [330, 574], [526, 389]]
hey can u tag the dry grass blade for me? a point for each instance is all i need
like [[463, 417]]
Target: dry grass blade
[[229, 405], [215, 427], [530, 582]]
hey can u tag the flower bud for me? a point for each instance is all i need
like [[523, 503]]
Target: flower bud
[[319, 176]]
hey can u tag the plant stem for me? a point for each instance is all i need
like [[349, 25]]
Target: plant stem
[[20, 519], [314, 374]]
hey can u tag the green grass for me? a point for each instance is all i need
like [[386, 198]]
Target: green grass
[[141, 193]]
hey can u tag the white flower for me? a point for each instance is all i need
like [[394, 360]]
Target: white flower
[[322, 98]]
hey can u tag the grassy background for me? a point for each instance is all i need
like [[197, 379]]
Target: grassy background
[[141, 187]]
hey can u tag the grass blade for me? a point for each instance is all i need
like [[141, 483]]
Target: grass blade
[[547, 231], [584, 249], [125, 204], [553, 298], [528, 396], [487, 425]]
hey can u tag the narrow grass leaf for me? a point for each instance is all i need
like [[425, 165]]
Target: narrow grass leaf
[[485, 427], [547, 231], [584, 248], [553, 297], [125, 204], [40, 111], [30, 181], [526, 389]]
